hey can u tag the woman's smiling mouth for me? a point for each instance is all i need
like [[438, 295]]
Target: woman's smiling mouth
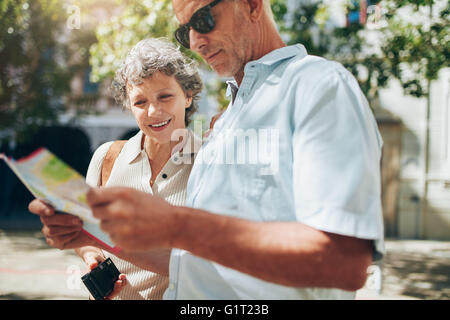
[[160, 126]]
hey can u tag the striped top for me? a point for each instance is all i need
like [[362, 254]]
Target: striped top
[[132, 169]]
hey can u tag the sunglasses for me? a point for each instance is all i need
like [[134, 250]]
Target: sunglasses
[[201, 21]]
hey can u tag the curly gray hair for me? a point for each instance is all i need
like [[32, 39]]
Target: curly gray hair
[[152, 55]]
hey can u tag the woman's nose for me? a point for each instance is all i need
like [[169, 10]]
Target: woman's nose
[[153, 109]]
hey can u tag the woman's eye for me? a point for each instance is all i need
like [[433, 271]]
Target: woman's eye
[[165, 96], [139, 103]]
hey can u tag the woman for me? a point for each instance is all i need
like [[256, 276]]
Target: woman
[[161, 88]]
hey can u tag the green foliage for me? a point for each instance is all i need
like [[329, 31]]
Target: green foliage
[[39, 57], [279, 9], [139, 20], [144, 19], [35, 72], [411, 53], [415, 52], [218, 90], [310, 17]]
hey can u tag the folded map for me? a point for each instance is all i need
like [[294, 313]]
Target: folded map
[[51, 180]]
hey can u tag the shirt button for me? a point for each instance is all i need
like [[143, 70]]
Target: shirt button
[[171, 286], [164, 176]]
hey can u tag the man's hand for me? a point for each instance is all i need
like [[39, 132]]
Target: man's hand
[[62, 231], [293, 254], [134, 220]]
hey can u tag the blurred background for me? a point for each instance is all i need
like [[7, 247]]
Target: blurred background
[[58, 57]]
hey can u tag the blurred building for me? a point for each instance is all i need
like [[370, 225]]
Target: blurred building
[[416, 161], [416, 153]]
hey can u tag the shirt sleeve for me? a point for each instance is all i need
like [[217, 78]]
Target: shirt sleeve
[[95, 166], [337, 152]]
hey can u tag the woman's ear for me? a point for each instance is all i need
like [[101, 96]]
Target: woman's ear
[[188, 99]]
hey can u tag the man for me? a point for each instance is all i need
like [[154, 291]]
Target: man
[[307, 229]]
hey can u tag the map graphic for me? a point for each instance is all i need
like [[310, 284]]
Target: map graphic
[[51, 180]]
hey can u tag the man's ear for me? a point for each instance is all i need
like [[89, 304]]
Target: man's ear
[[256, 9]]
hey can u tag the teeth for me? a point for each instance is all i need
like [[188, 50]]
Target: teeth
[[159, 124]]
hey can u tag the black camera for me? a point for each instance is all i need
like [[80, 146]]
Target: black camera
[[100, 281]]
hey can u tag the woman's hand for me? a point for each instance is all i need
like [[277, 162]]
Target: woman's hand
[[62, 231], [93, 258], [118, 286], [213, 121]]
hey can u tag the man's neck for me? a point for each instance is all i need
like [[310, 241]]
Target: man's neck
[[270, 41]]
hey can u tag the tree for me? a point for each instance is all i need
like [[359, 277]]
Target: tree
[[36, 65], [412, 52], [400, 42], [311, 26], [139, 20], [115, 38], [415, 51]]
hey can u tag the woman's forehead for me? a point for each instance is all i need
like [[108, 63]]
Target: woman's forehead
[[156, 82]]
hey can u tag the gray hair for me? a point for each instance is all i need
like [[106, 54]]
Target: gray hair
[[150, 56]]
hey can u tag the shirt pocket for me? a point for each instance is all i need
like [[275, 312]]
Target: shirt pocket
[[265, 198], [252, 188], [248, 192]]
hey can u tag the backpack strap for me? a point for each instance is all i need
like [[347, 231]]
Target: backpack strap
[[110, 158]]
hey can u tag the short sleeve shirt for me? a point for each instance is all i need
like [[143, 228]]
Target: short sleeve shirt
[[299, 143]]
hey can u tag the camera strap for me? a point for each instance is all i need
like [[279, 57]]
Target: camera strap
[[110, 158]]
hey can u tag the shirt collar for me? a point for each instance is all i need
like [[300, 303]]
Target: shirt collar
[[188, 147], [280, 54], [232, 89], [133, 147], [269, 60]]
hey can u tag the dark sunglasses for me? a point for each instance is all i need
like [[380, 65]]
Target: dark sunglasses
[[201, 21]]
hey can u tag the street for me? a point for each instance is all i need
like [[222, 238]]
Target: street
[[30, 269]]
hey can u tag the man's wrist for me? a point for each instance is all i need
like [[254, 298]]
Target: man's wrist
[[180, 215]]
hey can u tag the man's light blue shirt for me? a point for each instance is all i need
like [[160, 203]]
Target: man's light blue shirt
[[298, 143]]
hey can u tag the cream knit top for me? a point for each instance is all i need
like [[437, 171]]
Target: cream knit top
[[132, 169]]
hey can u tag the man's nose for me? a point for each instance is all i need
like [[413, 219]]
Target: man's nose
[[197, 40]]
